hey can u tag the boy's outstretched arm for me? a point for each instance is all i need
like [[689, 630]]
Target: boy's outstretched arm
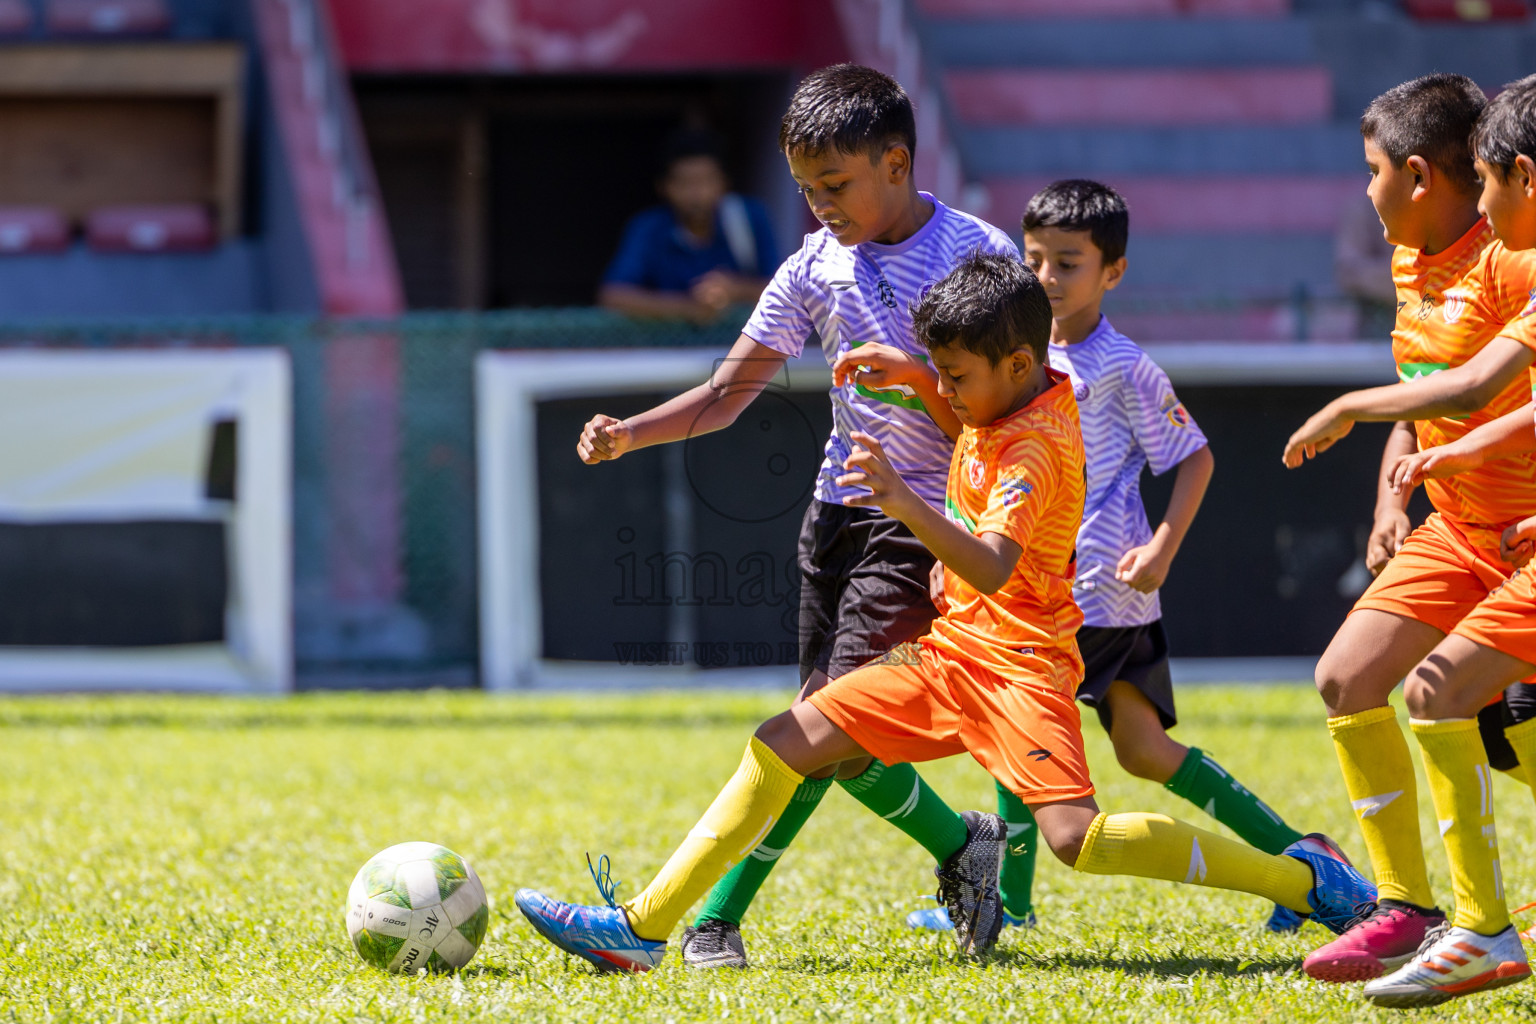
[[1511, 434], [1455, 392], [985, 561], [1390, 524], [1145, 568], [882, 366], [713, 405]]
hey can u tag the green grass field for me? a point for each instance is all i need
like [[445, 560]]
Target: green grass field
[[187, 859]]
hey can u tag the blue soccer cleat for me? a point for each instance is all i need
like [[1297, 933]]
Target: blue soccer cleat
[[1340, 895], [600, 935], [936, 919], [1283, 920]]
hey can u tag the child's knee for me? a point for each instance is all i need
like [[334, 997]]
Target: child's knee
[[1065, 829], [1144, 759], [781, 734]]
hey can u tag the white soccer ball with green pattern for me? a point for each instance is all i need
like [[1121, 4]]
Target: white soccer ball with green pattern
[[415, 906]]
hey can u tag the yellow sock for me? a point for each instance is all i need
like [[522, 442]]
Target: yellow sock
[[1523, 738], [1156, 846], [1378, 773], [1461, 785], [741, 815]]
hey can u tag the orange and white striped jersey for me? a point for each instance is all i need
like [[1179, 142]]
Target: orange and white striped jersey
[[1449, 306], [1021, 477]]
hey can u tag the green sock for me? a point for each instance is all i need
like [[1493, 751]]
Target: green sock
[[1207, 785], [1018, 878], [733, 894], [899, 795]]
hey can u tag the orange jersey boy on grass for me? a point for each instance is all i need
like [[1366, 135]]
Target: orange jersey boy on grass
[[995, 677], [1436, 587], [1491, 648]]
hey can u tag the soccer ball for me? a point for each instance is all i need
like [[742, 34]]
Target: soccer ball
[[414, 906]]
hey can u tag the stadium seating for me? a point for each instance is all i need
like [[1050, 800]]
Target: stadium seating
[[179, 227], [1103, 8], [108, 17], [1170, 96], [15, 17], [1218, 120], [31, 229]]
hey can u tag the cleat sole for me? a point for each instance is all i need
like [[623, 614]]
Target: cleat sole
[[1506, 974], [1346, 972]]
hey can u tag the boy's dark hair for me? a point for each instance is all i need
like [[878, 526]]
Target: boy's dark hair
[[685, 143], [849, 107], [989, 304], [1507, 127], [1080, 205], [1431, 117]]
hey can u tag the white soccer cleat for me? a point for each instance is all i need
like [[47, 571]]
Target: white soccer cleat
[[1454, 962]]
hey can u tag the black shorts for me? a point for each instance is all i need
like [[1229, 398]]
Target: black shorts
[[863, 587], [1517, 705], [1137, 654]]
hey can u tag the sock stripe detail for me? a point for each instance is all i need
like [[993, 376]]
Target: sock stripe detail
[[910, 804]]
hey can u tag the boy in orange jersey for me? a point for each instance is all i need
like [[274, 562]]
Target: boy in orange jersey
[[995, 676], [1462, 339], [1491, 648]]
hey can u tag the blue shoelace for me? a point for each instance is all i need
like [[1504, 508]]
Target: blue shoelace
[[603, 878]]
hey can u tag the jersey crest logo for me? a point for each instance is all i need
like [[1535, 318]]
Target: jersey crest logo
[[1455, 305], [1080, 391], [1426, 307], [976, 470], [886, 292], [1530, 307]]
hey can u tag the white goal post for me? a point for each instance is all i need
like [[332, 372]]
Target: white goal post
[[97, 439]]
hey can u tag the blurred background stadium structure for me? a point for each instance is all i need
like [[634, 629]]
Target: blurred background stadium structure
[[386, 189]]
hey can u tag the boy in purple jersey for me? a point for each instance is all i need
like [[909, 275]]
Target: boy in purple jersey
[[1075, 235], [848, 136]]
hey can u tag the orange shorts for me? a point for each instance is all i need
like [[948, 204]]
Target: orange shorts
[[1506, 619], [1439, 575], [919, 704]]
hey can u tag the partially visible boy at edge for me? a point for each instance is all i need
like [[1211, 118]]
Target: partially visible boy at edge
[[848, 136], [1075, 235], [1491, 648], [997, 674], [1462, 339]]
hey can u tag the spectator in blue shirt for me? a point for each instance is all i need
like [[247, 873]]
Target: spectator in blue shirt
[[703, 250]]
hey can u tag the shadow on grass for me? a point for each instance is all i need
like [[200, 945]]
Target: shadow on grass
[[1149, 964], [1171, 967]]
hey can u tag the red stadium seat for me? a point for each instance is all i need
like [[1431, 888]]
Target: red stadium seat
[[1161, 96], [1468, 10], [182, 227], [15, 17], [108, 17], [25, 229]]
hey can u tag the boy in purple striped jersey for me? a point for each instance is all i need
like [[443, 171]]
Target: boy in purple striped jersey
[[1075, 235], [848, 136]]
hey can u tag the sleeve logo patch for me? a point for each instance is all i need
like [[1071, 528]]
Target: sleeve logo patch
[[1174, 409], [1016, 490]]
